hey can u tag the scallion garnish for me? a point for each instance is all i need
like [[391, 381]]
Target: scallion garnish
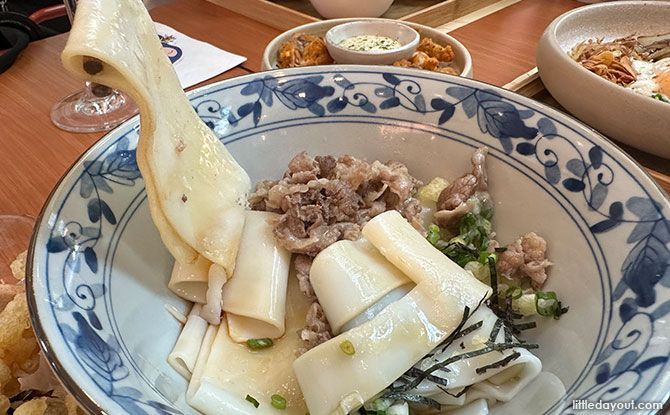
[[459, 252], [433, 234], [253, 401], [660, 97], [514, 293], [475, 229], [547, 304], [278, 401], [485, 255], [258, 344], [348, 348]]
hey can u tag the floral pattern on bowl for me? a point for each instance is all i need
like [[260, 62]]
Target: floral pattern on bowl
[[98, 271]]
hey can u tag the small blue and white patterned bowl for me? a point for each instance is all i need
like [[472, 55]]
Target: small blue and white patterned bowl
[[98, 270]]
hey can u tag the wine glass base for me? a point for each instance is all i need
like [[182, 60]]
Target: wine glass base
[[84, 113]]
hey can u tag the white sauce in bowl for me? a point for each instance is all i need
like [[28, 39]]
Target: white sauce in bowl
[[364, 43]]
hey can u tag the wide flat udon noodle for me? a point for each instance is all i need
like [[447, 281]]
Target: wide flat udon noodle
[[401, 334], [396, 338], [189, 280], [357, 269], [229, 371], [185, 352], [494, 384], [255, 298], [410, 252], [196, 190]]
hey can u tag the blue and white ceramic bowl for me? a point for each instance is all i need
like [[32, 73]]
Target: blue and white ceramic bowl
[[98, 271]]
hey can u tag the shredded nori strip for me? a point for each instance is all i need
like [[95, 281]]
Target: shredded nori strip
[[495, 330], [458, 252], [415, 399], [416, 372], [469, 329], [479, 352], [466, 315], [441, 365], [400, 382], [524, 326], [500, 303], [460, 334], [494, 278], [561, 310], [505, 312], [500, 363], [508, 334], [502, 308], [413, 377], [457, 395], [455, 334]]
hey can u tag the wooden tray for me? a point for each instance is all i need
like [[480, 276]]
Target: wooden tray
[[287, 14]]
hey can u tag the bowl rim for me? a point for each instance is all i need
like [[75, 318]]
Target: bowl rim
[[78, 392], [455, 43], [330, 42], [550, 34], [379, 3]]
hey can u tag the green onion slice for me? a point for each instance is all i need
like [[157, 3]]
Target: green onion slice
[[433, 234], [258, 344], [278, 401], [546, 303], [348, 348], [515, 293]]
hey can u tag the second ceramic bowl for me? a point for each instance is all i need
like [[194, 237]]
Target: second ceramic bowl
[[617, 112], [462, 60]]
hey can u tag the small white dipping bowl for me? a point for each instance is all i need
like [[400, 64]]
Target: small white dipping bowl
[[408, 38], [351, 8]]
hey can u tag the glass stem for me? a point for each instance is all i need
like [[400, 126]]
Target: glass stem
[[95, 91]]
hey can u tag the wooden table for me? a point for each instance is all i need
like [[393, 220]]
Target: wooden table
[[34, 153], [503, 44]]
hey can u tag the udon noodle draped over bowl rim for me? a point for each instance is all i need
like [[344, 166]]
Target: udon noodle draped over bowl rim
[[435, 308]]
